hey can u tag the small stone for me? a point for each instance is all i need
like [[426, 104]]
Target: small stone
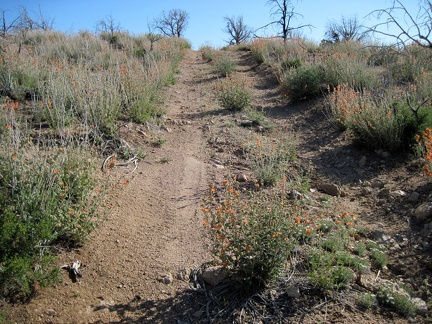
[[216, 163], [381, 236], [365, 191], [424, 211], [241, 177], [417, 163], [183, 274], [420, 305], [214, 275], [246, 123], [414, 197], [331, 189], [362, 161], [293, 292], [385, 155], [384, 193], [377, 183], [398, 193], [294, 194], [166, 279], [198, 314], [50, 311]]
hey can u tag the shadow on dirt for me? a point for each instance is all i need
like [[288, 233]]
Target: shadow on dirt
[[182, 308], [273, 305], [336, 156], [200, 307]]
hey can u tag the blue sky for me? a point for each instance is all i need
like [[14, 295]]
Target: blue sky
[[206, 16]]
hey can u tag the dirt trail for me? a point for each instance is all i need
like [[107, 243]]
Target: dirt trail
[[153, 229]]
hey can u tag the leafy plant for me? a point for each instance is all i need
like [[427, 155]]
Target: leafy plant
[[400, 302], [249, 238], [366, 300], [375, 121], [234, 93], [224, 66], [208, 53], [303, 82], [269, 159], [46, 200]]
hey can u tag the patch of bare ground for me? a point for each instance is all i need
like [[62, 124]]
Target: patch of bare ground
[[133, 265]]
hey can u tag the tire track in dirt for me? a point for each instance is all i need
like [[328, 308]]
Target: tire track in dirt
[[152, 229]]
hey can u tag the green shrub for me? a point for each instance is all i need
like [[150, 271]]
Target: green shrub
[[269, 160], [366, 300], [234, 93], [380, 121], [290, 63], [208, 53], [357, 74], [383, 56], [145, 108], [224, 66], [304, 82], [242, 48], [411, 63], [400, 302], [47, 198], [249, 237], [325, 274]]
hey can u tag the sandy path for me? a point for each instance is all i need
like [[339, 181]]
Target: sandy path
[[153, 229]]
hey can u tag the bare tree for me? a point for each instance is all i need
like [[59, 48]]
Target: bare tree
[[5, 26], [173, 23], [237, 30], [283, 13], [108, 25], [414, 28], [43, 22], [348, 29]]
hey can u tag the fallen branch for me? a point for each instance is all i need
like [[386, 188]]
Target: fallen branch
[[133, 160]]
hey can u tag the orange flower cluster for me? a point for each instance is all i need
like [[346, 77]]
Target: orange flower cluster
[[346, 219], [11, 104], [344, 103]]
